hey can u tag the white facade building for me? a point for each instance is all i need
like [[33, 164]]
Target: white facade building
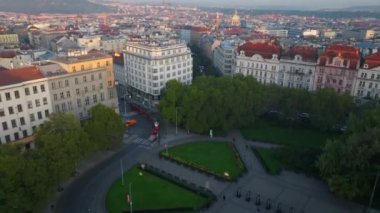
[[297, 67], [149, 65], [367, 84], [260, 60], [89, 42], [24, 103]]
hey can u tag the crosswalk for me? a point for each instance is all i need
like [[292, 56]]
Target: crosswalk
[[141, 142]]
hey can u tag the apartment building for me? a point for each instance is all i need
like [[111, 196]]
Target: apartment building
[[149, 65], [367, 84], [223, 57], [83, 82], [24, 103], [260, 60], [337, 68], [297, 67]]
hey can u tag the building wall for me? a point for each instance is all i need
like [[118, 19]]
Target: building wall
[[9, 39], [297, 73], [31, 107], [367, 83], [266, 71], [342, 80], [223, 60], [16, 62], [78, 92], [149, 68]]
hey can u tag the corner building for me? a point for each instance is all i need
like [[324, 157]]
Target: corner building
[[149, 65]]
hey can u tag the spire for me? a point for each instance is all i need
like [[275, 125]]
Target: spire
[[236, 13]]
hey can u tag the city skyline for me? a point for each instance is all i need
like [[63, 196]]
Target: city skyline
[[270, 4]]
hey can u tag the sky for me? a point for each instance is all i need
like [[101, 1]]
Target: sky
[[298, 4]]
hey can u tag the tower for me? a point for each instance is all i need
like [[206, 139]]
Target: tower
[[235, 20]]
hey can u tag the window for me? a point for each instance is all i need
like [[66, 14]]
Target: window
[[38, 103], [2, 113], [46, 113], [92, 77], [68, 94], [17, 94], [84, 79], [79, 103], [5, 126], [45, 101], [32, 118], [93, 87], [98, 64], [67, 83], [8, 138], [82, 67], [53, 85], [27, 92], [30, 105], [107, 63], [109, 83], [85, 89], [0, 98], [101, 96], [14, 124], [35, 89], [101, 86], [19, 108], [87, 101], [39, 115], [95, 99], [16, 136], [7, 96], [42, 88], [25, 133], [76, 81], [100, 76], [74, 69], [55, 97], [22, 121], [10, 109]]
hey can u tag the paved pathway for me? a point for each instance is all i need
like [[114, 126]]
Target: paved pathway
[[289, 190]]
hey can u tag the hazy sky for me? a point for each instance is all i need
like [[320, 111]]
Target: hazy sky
[[306, 4]]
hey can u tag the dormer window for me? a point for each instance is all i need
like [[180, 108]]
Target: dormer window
[[365, 66], [274, 57], [337, 63], [242, 52]]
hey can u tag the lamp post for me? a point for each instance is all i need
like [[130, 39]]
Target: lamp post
[[176, 121], [130, 194], [373, 192]]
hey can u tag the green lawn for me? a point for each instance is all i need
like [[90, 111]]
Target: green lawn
[[270, 163], [268, 132], [150, 192], [216, 156]]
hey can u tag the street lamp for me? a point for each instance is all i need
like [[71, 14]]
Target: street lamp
[[130, 194]]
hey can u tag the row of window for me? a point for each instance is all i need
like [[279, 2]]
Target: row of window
[[19, 108], [67, 94], [163, 53], [14, 123], [65, 107], [16, 136], [66, 83], [82, 67], [370, 84], [16, 94], [364, 75]]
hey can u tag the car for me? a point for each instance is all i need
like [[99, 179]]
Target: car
[[130, 123]]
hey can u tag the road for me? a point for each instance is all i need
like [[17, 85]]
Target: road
[[88, 192]]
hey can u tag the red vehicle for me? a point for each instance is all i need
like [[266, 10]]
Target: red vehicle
[[130, 123]]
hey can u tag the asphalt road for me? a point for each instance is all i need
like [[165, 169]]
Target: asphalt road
[[88, 192]]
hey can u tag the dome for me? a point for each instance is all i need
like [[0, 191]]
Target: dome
[[235, 20]]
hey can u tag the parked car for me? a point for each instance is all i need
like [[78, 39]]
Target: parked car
[[130, 123]]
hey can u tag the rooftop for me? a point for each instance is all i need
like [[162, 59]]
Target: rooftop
[[82, 58], [349, 54], [373, 60], [14, 76], [265, 49], [306, 52]]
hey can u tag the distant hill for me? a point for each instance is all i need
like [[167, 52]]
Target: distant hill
[[363, 8], [52, 6]]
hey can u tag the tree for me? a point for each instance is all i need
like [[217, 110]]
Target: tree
[[105, 127], [349, 165], [23, 181], [61, 143]]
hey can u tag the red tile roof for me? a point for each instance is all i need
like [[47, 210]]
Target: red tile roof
[[7, 54], [306, 52], [234, 31], [373, 60], [8, 77], [350, 55], [265, 49], [199, 29]]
